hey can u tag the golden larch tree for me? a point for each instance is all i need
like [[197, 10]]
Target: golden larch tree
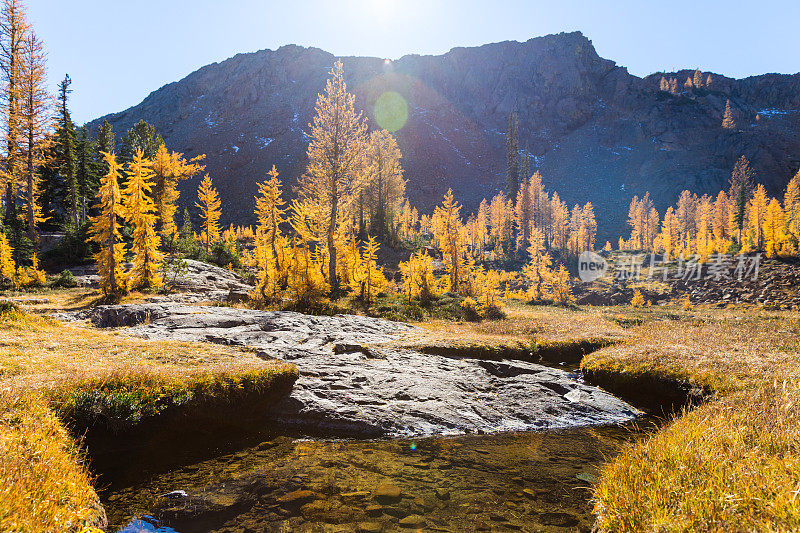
[[447, 232], [105, 229], [13, 30], [270, 244], [791, 206], [334, 177], [720, 223], [210, 211], [419, 280], [140, 213], [774, 229], [169, 168], [757, 211], [670, 234], [368, 278], [36, 119], [561, 287], [705, 231], [270, 212], [7, 267], [728, 121], [537, 271], [385, 188]]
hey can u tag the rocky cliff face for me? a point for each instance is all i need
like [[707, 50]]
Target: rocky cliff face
[[596, 132]]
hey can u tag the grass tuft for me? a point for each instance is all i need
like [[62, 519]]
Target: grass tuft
[[43, 483]]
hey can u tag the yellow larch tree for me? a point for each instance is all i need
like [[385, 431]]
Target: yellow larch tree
[[582, 229], [7, 268], [36, 119], [31, 276], [561, 287], [501, 219], [721, 223], [105, 229], [270, 243], [537, 271], [140, 213], [385, 187], [686, 214], [210, 211], [304, 269], [481, 230], [271, 212], [670, 234], [368, 279], [334, 177], [644, 222], [774, 228], [791, 206], [705, 231], [14, 28], [349, 260], [560, 222], [419, 280], [447, 232], [169, 168], [757, 211]]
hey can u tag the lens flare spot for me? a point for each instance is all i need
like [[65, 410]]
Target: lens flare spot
[[391, 111], [413, 446]]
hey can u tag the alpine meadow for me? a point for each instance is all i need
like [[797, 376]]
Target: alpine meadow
[[508, 287]]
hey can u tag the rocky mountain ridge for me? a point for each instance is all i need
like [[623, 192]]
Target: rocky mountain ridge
[[596, 132]]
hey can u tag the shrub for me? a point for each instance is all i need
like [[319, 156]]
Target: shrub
[[471, 308], [65, 280]]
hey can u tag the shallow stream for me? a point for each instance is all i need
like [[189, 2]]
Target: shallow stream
[[532, 481]]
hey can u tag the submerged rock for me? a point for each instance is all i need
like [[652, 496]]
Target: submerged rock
[[354, 384]]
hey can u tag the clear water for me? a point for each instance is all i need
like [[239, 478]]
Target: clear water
[[513, 481]]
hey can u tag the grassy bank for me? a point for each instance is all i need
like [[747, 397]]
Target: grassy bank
[[730, 464], [733, 462], [55, 375], [44, 485], [530, 333]]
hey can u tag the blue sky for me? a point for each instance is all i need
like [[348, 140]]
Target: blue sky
[[118, 51]]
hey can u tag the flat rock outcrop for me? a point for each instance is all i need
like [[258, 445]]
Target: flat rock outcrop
[[355, 383]]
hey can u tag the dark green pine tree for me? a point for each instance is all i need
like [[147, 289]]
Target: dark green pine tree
[[524, 166], [65, 153], [52, 198], [104, 141], [88, 180], [186, 229], [141, 136], [512, 155], [741, 183]]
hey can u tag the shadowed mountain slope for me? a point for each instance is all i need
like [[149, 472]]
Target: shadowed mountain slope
[[596, 132]]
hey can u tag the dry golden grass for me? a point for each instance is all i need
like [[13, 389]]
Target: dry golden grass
[[731, 465], [43, 484], [39, 352], [524, 325], [722, 349]]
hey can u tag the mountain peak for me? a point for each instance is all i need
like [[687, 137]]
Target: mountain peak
[[595, 132]]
